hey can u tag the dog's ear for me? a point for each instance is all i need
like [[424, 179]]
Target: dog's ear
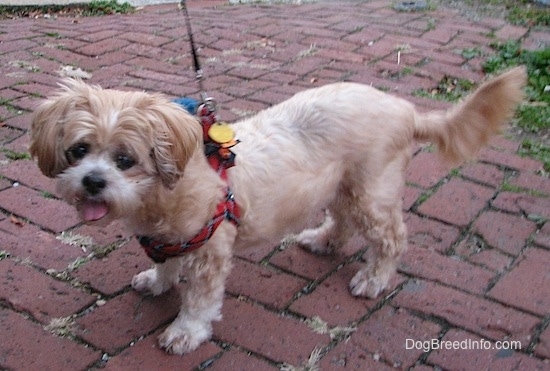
[[177, 135], [47, 128]]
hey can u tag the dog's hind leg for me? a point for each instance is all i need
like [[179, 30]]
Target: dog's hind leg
[[387, 233], [380, 220], [378, 215], [332, 233], [158, 279]]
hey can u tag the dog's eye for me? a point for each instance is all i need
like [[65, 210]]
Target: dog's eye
[[77, 152], [124, 162]]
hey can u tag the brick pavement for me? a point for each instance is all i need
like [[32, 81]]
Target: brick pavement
[[477, 266]]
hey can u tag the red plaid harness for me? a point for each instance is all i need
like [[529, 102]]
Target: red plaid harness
[[220, 158]]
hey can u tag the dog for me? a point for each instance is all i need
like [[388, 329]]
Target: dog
[[342, 148]]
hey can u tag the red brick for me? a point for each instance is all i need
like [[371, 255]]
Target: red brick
[[509, 31], [385, 334], [532, 206], [30, 204], [145, 354], [110, 61], [449, 270], [484, 173], [102, 47], [475, 251], [115, 232], [481, 359], [154, 65], [442, 33], [268, 97], [114, 272], [411, 194], [144, 38], [332, 301], [9, 134], [501, 143], [306, 65], [39, 247], [274, 336], [38, 294], [19, 145], [66, 57], [543, 347], [532, 182], [263, 284], [430, 234], [255, 254], [492, 320], [10, 46], [542, 238], [239, 360], [125, 318], [426, 170], [511, 288], [5, 183], [499, 157], [98, 36], [26, 346], [306, 264], [27, 172], [352, 357], [26, 103], [159, 76], [536, 40], [505, 232], [457, 202]]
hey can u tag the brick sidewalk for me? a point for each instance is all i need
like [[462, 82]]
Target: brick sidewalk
[[479, 257]]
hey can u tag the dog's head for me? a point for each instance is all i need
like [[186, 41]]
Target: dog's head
[[109, 148]]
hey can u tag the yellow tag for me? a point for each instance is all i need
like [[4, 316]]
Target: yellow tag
[[221, 132]]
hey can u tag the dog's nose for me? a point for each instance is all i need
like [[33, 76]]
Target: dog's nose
[[94, 183]]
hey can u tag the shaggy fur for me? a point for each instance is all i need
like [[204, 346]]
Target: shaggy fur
[[342, 148]]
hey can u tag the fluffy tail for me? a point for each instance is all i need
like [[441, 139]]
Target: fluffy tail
[[463, 129]]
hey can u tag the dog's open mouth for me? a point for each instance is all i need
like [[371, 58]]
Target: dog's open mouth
[[92, 210]]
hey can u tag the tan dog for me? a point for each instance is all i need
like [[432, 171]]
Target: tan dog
[[342, 148]]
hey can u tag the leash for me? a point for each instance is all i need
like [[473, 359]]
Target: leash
[[196, 63], [218, 136]]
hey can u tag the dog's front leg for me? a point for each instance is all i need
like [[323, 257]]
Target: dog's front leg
[[206, 271]]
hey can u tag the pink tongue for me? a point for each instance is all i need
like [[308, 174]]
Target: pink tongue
[[93, 210]]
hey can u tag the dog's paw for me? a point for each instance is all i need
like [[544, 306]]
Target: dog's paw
[[184, 336], [365, 285], [313, 241], [318, 240], [148, 282]]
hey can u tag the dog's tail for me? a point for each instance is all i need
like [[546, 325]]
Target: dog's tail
[[463, 129]]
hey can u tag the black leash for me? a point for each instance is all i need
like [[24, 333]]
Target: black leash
[[198, 70]]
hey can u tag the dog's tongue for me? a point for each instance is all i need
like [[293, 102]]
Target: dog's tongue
[[93, 210]]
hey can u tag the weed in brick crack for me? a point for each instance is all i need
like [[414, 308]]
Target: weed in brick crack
[[538, 151], [470, 53], [449, 89], [14, 155]]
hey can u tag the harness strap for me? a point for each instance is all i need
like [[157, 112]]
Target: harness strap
[[226, 210]]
